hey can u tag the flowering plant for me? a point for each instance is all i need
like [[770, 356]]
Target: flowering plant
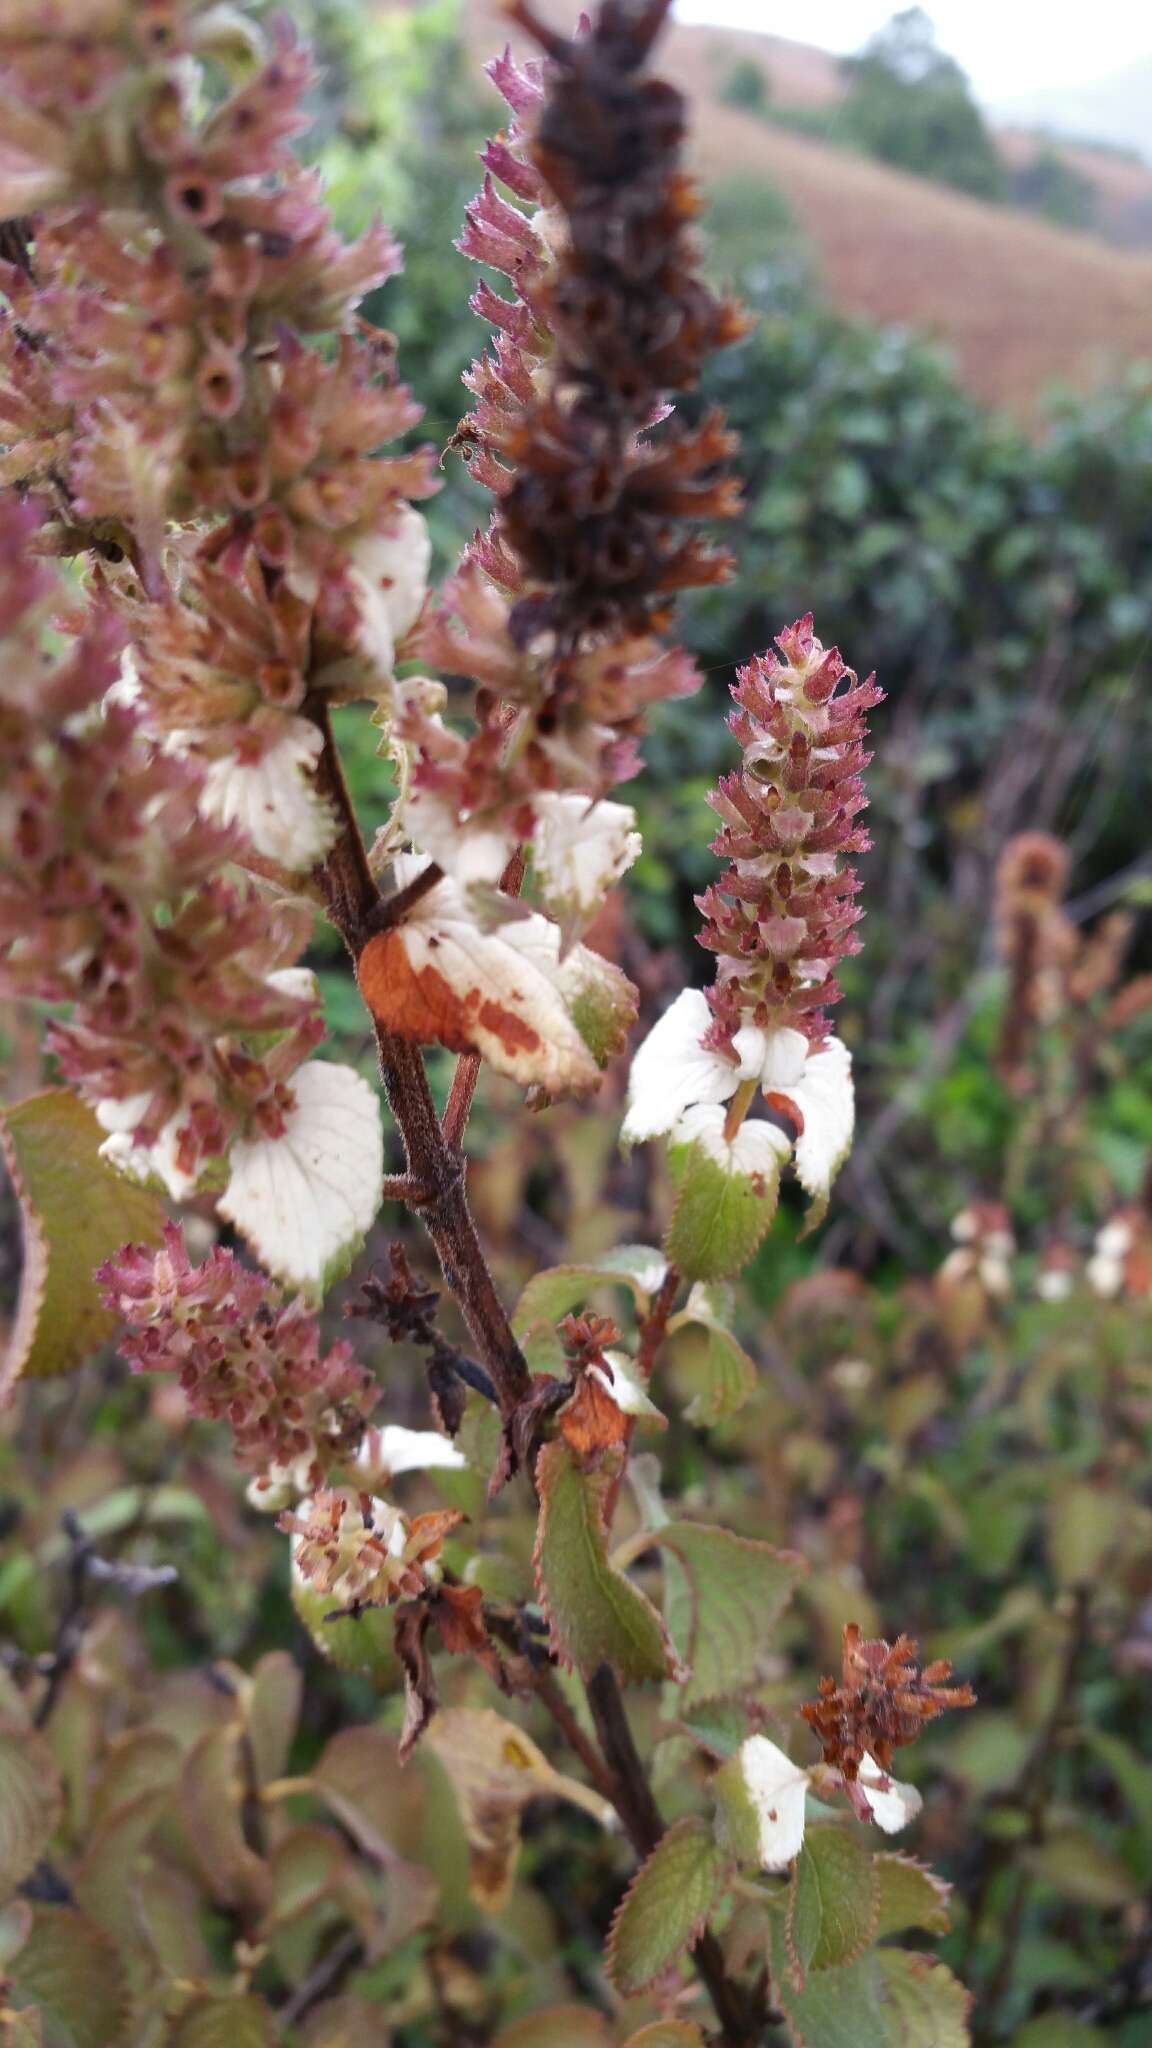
[[195, 417]]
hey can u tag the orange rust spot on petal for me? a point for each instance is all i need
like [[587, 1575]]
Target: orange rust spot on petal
[[421, 1003], [786, 1107]]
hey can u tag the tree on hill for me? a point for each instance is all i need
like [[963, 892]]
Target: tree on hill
[[910, 104]]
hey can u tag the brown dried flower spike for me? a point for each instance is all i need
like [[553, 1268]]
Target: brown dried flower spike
[[881, 1703]]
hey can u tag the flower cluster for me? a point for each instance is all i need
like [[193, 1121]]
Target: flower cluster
[[557, 610], [984, 1248], [779, 920], [244, 1356], [112, 900], [357, 1550], [154, 375]]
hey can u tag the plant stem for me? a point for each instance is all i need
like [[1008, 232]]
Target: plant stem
[[434, 1168], [742, 2016]]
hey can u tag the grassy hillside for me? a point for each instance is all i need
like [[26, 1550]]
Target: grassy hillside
[[1022, 305]]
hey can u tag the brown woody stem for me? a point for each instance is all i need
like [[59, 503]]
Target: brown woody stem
[[434, 1171]]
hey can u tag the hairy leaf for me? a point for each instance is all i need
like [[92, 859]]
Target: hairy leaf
[[926, 2005], [910, 1895], [721, 1213], [723, 1595], [551, 1294], [666, 1907], [595, 1614], [833, 1901], [708, 1359], [76, 1212]]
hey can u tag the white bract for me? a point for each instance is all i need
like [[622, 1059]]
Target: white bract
[[763, 1793], [385, 1452], [680, 1087], [389, 575], [272, 797], [623, 1382], [306, 1199], [581, 849], [121, 1117]]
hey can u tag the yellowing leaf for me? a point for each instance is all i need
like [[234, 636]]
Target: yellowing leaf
[[76, 1212], [72, 1973], [30, 1804], [910, 1896], [595, 1614], [224, 2023], [495, 1770], [666, 1907]]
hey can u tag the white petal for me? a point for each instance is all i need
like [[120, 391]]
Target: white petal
[[757, 1148], [580, 850], [1114, 1239], [1054, 1284], [786, 1056], [893, 1804], [777, 1788], [466, 852], [671, 1070], [145, 1162], [390, 577], [626, 1387], [306, 1200], [1105, 1276], [385, 1452], [825, 1099], [122, 1112], [750, 1045], [273, 799]]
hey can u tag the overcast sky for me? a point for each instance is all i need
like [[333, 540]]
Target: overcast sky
[[1008, 47]]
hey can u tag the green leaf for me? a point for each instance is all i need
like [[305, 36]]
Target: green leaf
[[224, 2023], [723, 1596], [559, 1289], [833, 1901], [1059, 2030], [707, 1357], [666, 1907], [72, 1973], [1132, 1774], [76, 1212], [910, 1895], [30, 1804], [838, 2008], [1086, 1523], [926, 2006], [1077, 1866], [719, 1218], [272, 1711], [596, 1615]]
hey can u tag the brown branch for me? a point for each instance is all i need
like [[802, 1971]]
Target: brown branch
[[434, 1171]]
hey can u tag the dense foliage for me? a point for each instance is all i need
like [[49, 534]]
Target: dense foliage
[[526, 1653]]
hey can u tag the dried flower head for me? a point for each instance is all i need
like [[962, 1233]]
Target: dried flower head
[[243, 1356], [881, 1702], [358, 1550]]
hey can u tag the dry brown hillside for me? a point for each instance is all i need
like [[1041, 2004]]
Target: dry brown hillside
[[1021, 305]]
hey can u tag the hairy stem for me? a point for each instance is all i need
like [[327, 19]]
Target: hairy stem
[[742, 2015], [434, 1168]]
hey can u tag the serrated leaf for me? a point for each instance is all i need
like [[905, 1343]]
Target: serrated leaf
[[666, 1907], [31, 1803], [839, 2008], [72, 1973], [76, 1212], [305, 1200], [910, 1895], [833, 1901], [926, 2006], [719, 1217], [709, 1359], [241, 2022], [596, 1616], [723, 1595], [554, 1292]]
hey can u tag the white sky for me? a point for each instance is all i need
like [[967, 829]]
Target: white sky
[[1009, 48]]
